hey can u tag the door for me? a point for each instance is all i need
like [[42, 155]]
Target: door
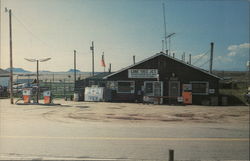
[[153, 88], [174, 88]]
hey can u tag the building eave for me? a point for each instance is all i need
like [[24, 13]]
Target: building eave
[[159, 54]]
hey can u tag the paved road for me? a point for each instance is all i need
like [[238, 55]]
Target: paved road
[[34, 139], [28, 133]]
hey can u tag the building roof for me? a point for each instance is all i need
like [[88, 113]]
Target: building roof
[[4, 73], [99, 76], [159, 54]]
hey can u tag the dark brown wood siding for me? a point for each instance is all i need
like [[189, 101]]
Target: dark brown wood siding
[[167, 67]]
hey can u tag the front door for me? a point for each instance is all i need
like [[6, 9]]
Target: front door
[[153, 88], [174, 89]]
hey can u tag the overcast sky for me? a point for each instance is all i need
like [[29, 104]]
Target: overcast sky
[[123, 28]]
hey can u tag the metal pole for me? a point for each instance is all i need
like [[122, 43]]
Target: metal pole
[[74, 70], [165, 29], [162, 43], [64, 93], [37, 80], [92, 48], [103, 61], [211, 58], [11, 60], [109, 67]]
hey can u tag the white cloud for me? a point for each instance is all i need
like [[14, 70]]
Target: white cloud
[[232, 53], [238, 49], [245, 45]]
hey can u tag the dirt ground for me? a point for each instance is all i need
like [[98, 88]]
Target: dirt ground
[[70, 111]]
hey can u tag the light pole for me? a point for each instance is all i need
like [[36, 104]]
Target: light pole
[[37, 72]]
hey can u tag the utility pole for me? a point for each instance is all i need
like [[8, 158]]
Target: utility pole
[[165, 29], [134, 59], [92, 49], [11, 60], [74, 70], [37, 80], [189, 58], [211, 57], [0, 32]]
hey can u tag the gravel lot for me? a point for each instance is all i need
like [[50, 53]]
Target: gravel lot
[[70, 111]]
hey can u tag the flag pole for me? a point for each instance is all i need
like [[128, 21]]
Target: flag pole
[[103, 62]]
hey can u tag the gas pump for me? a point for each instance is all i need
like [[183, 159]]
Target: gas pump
[[47, 97], [187, 93], [27, 92]]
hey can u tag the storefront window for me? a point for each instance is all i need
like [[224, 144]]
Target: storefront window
[[199, 88], [125, 87]]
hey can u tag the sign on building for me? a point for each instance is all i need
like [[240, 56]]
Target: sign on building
[[142, 73]]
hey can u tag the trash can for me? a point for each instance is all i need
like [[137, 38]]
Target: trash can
[[27, 95], [47, 97]]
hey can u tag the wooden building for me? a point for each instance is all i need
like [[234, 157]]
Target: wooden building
[[161, 76]]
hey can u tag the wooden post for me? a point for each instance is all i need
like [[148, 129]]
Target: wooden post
[[171, 155]]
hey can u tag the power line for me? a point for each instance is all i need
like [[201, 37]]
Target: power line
[[201, 57], [204, 63], [34, 35]]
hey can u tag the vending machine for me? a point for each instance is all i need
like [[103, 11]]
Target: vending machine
[[187, 93]]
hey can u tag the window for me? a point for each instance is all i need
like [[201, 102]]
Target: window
[[149, 87], [125, 87], [111, 85], [199, 88]]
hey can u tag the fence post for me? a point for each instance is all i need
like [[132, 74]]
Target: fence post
[[171, 155]]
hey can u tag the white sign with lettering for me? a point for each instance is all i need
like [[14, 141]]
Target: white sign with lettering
[[142, 73]]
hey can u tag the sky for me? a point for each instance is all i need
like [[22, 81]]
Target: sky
[[123, 28]]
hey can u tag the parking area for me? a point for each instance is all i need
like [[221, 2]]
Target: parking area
[[69, 111]]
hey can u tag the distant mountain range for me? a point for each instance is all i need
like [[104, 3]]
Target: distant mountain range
[[72, 70], [21, 70], [18, 70]]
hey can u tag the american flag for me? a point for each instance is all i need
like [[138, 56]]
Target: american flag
[[102, 61]]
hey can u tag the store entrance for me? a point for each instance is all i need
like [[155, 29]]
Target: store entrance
[[153, 88]]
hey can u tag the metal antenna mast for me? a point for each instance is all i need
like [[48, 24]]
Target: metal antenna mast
[[165, 29], [169, 38]]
